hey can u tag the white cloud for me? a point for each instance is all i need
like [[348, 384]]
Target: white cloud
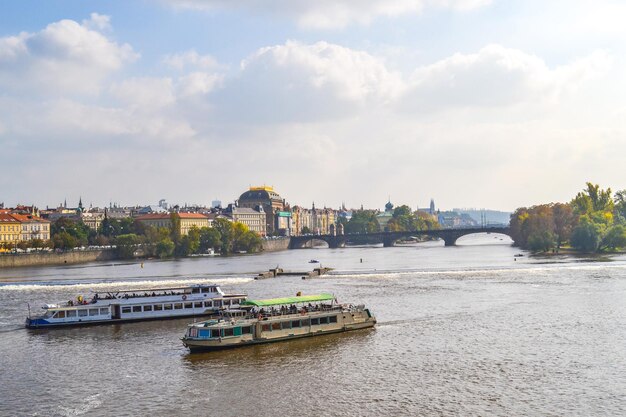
[[64, 57], [190, 59], [144, 94], [98, 22], [496, 76], [297, 82], [330, 14]]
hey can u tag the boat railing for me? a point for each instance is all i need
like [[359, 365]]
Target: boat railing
[[294, 312]]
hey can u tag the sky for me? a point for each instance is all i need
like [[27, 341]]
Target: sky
[[474, 103]]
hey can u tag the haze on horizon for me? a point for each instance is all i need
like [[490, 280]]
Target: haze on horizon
[[475, 103]]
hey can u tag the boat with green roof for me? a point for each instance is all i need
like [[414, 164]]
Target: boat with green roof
[[277, 319]]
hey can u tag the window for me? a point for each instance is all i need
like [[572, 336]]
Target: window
[[94, 311], [59, 315], [323, 320], [195, 291], [306, 323], [136, 309], [147, 308], [158, 307], [215, 333], [295, 323], [71, 313], [125, 309], [332, 319], [82, 313], [217, 303], [104, 311], [188, 305], [229, 332], [178, 306], [276, 326], [265, 327], [167, 306], [199, 304], [246, 330], [206, 290], [315, 322], [286, 324]]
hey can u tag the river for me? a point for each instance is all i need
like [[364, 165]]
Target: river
[[465, 330]]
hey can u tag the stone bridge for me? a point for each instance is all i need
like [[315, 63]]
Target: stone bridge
[[449, 236]]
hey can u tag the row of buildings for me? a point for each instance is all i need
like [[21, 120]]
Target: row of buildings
[[262, 209], [21, 224]]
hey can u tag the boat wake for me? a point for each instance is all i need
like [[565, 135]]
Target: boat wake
[[111, 285]]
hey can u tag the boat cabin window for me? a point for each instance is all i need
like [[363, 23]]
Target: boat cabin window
[[195, 291], [125, 309], [59, 315], [215, 333], [94, 311], [276, 326], [217, 303], [206, 304], [198, 304], [104, 311], [306, 322], [188, 305], [158, 307], [71, 313], [295, 323], [208, 290], [178, 306], [82, 313], [323, 320], [147, 308], [167, 306], [229, 332], [332, 319], [136, 309], [315, 322], [286, 324], [246, 330], [265, 327]]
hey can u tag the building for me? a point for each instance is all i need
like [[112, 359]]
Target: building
[[267, 198], [32, 227], [187, 221], [10, 229], [254, 218], [384, 217]]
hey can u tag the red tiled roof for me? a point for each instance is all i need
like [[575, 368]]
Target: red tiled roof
[[23, 218]]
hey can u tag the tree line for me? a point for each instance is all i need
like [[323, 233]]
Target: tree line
[[129, 236], [593, 221]]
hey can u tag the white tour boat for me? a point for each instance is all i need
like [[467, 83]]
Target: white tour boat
[[134, 305], [273, 320]]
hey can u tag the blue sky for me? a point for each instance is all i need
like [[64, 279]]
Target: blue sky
[[475, 103]]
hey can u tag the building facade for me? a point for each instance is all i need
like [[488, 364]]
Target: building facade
[[187, 221], [32, 227], [267, 198], [255, 219], [10, 229]]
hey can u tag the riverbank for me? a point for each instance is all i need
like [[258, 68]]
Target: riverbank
[[73, 257]]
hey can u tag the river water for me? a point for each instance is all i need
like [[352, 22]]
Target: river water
[[463, 330]]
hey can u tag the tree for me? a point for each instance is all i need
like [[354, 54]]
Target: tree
[[564, 221], [586, 235], [614, 238], [175, 227], [188, 244], [165, 248], [77, 229], [363, 221], [620, 205], [306, 231], [64, 240], [126, 245], [210, 238], [225, 229]]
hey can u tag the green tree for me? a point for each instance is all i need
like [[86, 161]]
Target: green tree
[[188, 244], [165, 248], [614, 238], [225, 229], [363, 221], [64, 240], [586, 235], [175, 227], [127, 244], [564, 221], [210, 238], [77, 229]]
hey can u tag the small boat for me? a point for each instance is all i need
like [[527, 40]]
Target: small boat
[[277, 319], [314, 261], [135, 305]]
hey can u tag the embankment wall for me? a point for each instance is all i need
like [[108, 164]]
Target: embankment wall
[[273, 245], [48, 259]]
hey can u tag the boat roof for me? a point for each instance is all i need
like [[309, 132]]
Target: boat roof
[[150, 290], [289, 300]]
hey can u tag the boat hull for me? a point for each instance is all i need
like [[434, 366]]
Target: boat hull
[[197, 345], [42, 324]]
